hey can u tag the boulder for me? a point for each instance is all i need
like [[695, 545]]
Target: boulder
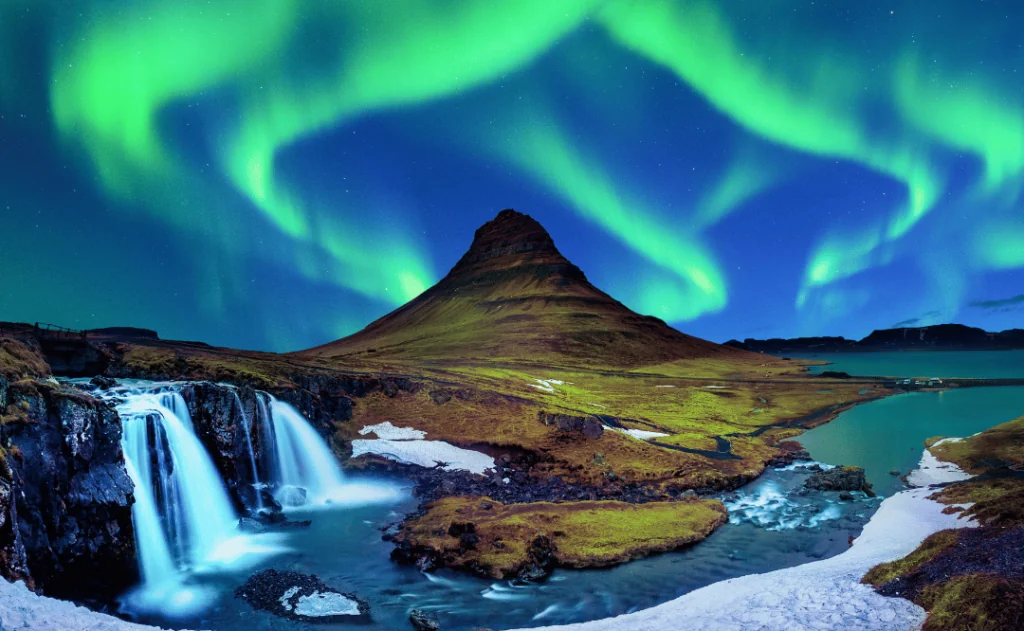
[[840, 479], [589, 426], [423, 621], [302, 597]]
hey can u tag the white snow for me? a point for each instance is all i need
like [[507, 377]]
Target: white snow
[[546, 385], [714, 387], [825, 595], [318, 605], [934, 471], [665, 386], [425, 453], [388, 431], [639, 434], [286, 597], [22, 609]]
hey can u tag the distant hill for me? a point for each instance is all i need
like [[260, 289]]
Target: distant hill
[[513, 296], [941, 337]]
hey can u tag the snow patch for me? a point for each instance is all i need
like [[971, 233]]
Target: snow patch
[[425, 453], [665, 386], [931, 470], [319, 605], [824, 594], [639, 434], [387, 431], [546, 385], [714, 387]]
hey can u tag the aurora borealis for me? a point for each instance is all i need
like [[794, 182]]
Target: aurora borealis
[[276, 174]]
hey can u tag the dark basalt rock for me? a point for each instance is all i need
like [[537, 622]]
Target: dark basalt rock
[[589, 426], [423, 621], [281, 593], [840, 479], [66, 503]]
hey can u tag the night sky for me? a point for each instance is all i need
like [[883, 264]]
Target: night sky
[[275, 174]]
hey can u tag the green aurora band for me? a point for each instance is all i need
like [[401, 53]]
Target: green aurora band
[[116, 73]]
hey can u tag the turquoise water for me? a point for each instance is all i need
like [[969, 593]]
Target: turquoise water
[[889, 434], [945, 364]]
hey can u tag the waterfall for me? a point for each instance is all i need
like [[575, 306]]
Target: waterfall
[[303, 458], [175, 479]]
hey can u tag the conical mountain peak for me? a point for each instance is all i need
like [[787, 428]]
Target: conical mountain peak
[[513, 296]]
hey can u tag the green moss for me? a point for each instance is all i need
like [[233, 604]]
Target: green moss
[[901, 568], [974, 602], [17, 360], [995, 501], [1001, 445], [585, 534], [5, 470]]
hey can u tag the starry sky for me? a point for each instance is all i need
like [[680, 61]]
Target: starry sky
[[274, 174]]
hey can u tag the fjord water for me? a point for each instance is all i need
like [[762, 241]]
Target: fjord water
[[943, 364], [888, 435]]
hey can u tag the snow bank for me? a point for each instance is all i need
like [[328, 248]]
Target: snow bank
[[388, 431], [407, 445], [825, 594], [639, 434], [931, 470], [22, 609], [425, 453]]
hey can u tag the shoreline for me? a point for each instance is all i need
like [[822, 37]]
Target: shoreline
[[802, 596], [807, 595]]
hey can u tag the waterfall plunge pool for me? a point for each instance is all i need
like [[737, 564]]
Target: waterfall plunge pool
[[773, 525]]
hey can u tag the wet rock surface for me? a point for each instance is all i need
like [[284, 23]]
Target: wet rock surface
[[302, 597], [423, 621], [66, 500], [840, 479]]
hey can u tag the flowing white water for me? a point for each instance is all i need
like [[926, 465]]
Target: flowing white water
[[190, 497], [183, 519], [252, 454], [303, 458]]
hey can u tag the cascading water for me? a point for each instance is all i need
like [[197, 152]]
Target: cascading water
[[183, 519], [304, 461], [252, 454], [195, 512]]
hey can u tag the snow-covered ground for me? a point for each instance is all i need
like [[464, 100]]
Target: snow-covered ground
[[931, 470], [407, 445], [824, 595], [20, 609]]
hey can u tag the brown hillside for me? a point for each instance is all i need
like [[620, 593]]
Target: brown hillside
[[513, 296]]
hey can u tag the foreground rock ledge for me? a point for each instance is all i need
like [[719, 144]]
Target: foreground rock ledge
[[527, 541]]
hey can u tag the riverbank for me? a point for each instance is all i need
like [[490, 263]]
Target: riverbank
[[827, 592], [823, 594]]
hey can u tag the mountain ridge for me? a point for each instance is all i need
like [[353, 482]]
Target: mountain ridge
[[935, 337], [514, 296]]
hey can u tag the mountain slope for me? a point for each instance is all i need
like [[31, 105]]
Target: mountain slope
[[513, 296]]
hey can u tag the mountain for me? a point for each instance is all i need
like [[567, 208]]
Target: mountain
[[941, 337], [513, 296]]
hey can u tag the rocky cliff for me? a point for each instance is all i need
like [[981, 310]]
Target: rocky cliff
[[65, 496]]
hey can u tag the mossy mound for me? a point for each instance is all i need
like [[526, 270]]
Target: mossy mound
[[527, 540]]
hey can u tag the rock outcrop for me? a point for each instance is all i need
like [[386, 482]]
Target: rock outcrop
[[840, 479], [65, 495]]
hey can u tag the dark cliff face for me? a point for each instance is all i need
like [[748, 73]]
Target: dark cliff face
[[67, 528]]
